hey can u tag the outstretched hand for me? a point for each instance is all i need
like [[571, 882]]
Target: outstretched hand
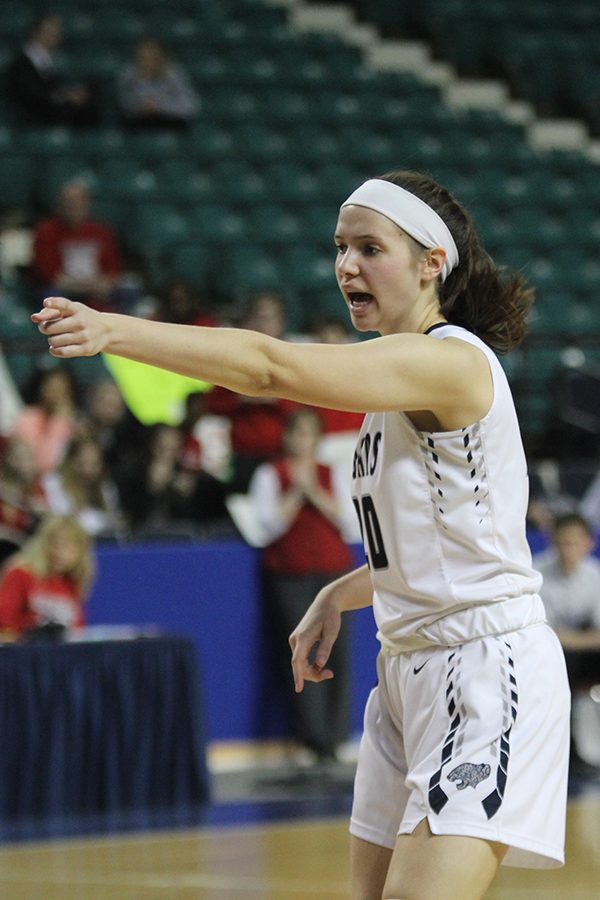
[[72, 329], [319, 628]]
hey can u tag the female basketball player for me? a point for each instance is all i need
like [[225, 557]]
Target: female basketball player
[[463, 761]]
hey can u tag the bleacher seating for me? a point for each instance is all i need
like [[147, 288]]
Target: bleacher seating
[[546, 50], [289, 122]]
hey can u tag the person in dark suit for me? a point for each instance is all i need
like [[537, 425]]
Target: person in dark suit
[[35, 90]]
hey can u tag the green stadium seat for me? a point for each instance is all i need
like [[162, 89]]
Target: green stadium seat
[[78, 25], [206, 69], [182, 182], [46, 142], [228, 103], [15, 20], [98, 143], [255, 70], [127, 180], [248, 268], [284, 107], [153, 146], [191, 261], [308, 268], [14, 321], [328, 301], [18, 174], [377, 151], [157, 227], [57, 171], [273, 224], [248, 188], [214, 223], [311, 144], [295, 184], [258, 142], [175, 26], [115, 213], [118, 24], [210, 141], [319, 223]]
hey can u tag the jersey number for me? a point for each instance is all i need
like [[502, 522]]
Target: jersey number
[[371, 531]]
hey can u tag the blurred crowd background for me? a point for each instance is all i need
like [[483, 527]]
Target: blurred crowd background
[[185, 161]]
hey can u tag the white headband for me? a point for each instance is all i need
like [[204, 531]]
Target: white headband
[[410, 213]]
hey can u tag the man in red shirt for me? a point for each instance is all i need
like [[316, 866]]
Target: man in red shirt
[[75, 254]]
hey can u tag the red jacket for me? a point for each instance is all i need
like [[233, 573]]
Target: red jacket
[[27, 600], [54, 239], [312, 544], [256, 425]]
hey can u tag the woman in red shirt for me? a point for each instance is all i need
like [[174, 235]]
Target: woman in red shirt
[[301, 511], [47, 581]]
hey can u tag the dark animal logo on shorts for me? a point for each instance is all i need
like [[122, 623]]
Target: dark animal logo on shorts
[[469, 774]]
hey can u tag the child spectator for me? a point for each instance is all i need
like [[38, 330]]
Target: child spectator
[[44, 586], [107, 421], [22, 498], [82, 488], [181, 305], [48, 421], [170, 490]]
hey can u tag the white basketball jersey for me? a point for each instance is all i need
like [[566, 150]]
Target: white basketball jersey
[[443, 522]]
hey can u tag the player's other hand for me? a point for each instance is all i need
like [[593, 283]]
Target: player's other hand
[[312, 640], [72, 329]]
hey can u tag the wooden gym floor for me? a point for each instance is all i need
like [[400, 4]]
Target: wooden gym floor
[[283, 850]]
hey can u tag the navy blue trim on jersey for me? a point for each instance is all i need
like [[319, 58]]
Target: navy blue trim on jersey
[[493, 801], [437, 325], [438, 797]]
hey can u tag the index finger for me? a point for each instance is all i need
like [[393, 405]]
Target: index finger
[[53, 308], [298, 668]]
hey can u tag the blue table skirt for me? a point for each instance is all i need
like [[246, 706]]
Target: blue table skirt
[[99, 728]]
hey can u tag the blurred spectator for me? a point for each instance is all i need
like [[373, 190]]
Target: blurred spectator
[[330, 329], [256, 422], [38, 95], [44, 586], [192, 451], [22, 498], [266, 313], [340, 427], [206, 438], [49, 419], [11, 404], [181, 305], [75, 254], [81, 487], [571, 588], [571, 595], [155, 92], [548, 499], [301, 512], [107, 420], [170, 489], [590, 503]]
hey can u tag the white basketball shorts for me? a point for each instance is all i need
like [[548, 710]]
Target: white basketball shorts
[[473, 738]]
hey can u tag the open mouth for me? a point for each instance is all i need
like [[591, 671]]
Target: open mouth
[[359, 300]]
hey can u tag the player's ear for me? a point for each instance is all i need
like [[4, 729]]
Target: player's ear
[[433, 263]]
